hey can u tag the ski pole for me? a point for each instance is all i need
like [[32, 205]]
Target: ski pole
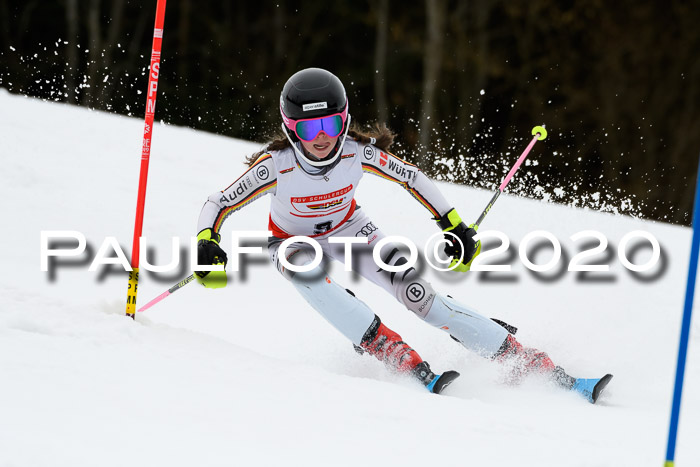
[[539, 133], [172, 289]]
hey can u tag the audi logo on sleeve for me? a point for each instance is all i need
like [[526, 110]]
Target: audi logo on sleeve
[[366, 230]]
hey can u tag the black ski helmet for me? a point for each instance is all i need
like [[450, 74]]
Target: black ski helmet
[[312, 86], [312, 93]]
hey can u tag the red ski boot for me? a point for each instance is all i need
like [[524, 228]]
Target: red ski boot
[[523, 360], [387, 346]]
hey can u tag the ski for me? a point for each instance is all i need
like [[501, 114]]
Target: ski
[[440, 382], [591, 388], [432, 382]]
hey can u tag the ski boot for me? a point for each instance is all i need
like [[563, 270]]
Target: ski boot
[[525, 360], [522, 360], [387, 346]]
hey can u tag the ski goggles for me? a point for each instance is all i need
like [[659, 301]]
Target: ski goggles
[[308, 129]]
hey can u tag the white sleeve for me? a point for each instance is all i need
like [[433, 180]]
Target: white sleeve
[[390, 167], [258, 180]]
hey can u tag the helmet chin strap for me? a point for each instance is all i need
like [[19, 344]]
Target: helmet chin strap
[[320, 162]]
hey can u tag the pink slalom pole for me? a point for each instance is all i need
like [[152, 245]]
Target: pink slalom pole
[[171, 290], [539, 133], [154, 301], [520, 161]]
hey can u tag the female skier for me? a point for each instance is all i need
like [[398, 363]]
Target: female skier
[[312, 174]]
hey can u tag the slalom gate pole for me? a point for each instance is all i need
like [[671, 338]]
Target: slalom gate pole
[[154, 71], [685, 329], [171, 290], [539, 133]]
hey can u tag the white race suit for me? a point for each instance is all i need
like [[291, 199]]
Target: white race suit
[[323, 206]]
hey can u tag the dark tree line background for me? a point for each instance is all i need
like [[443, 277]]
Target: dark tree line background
[[462, 82]]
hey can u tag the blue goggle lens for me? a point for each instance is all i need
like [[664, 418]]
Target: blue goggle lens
[[307, 130]]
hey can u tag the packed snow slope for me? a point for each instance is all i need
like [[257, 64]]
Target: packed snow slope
[[251, 375]]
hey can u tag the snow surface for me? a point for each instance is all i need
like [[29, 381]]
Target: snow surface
[[251, 375]]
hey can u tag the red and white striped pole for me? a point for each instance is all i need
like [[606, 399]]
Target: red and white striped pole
[[145, 156]]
